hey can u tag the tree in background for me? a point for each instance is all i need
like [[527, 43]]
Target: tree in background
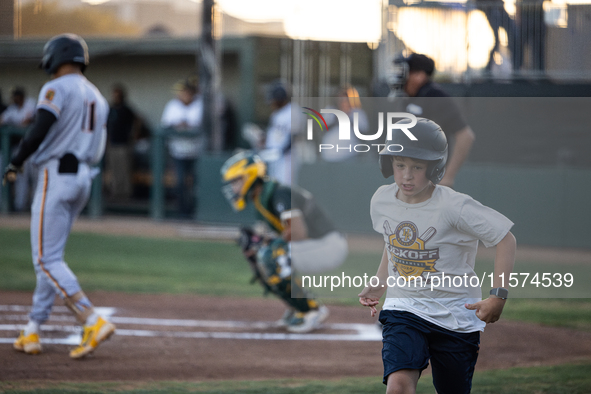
[[48, 19]]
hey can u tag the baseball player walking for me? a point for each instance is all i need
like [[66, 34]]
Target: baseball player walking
[[67, 137]]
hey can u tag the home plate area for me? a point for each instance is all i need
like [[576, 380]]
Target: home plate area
[[197, 338], [61, 328]]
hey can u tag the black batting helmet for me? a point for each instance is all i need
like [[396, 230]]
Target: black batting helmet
[[431, 145], [419, 62], [62, 49]]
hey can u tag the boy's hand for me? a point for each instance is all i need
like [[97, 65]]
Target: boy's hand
[[370, 297], [489, 310]]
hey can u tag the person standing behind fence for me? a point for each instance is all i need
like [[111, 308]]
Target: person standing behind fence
[[2, 108], [2, 105], [427, 99], [122, 129], [349, 102], [22, 110], [278, 137], [497, 17], [530, 14], [20, 114], [185, 114]]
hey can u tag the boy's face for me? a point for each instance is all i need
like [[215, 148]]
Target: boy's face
[[410, 176]]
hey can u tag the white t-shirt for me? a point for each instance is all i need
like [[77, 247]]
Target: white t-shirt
[[435, 239], [18, 116], [80, 128], [184, 117]]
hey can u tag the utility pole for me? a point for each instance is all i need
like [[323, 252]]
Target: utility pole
[[207, 77]]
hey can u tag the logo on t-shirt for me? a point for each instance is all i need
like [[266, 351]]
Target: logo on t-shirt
[[407, 249]]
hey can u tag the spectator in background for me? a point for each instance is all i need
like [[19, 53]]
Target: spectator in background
[[530, 14], [20, 113], [228, 124], [2, 108], [347, 101], [184, 114], [278, 136], [122, 130], [497, 17], [22, 110], [2, 105], [428, 100]]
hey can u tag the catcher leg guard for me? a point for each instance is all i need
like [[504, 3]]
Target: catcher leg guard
[[80, 305], [306, 322], [310, 316], [274, 264], [282, 289]]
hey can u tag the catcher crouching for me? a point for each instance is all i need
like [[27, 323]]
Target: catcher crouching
[[302, 240]]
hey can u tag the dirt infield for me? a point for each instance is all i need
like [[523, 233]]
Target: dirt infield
[[167, 350], [199, 338]]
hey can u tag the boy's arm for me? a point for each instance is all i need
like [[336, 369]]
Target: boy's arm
[[490, 309], [370, 296]]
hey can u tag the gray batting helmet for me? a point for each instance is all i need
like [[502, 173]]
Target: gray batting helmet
[[62, 49], [431, 145]]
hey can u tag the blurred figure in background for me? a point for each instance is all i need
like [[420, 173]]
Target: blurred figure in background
[[497, 17], [278, 136], [347, 101], [2, 105], [530, 14], [228, 123], [428, 100], [122, 130], [184, 114], [2, 108], [20, 113]]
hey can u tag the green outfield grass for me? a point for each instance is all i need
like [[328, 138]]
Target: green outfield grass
[[135, 265], [146, 265], [563, 379]]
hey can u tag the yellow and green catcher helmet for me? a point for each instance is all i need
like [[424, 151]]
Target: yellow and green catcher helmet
[[247, 166]]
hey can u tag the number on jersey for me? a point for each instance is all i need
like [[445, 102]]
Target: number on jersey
[[88, 117]]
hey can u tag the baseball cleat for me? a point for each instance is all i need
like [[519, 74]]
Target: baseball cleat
[[93, 336], [29, 344], [286, 318], [310, 321]]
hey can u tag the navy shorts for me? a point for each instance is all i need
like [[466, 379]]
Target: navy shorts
[[409, 342]]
